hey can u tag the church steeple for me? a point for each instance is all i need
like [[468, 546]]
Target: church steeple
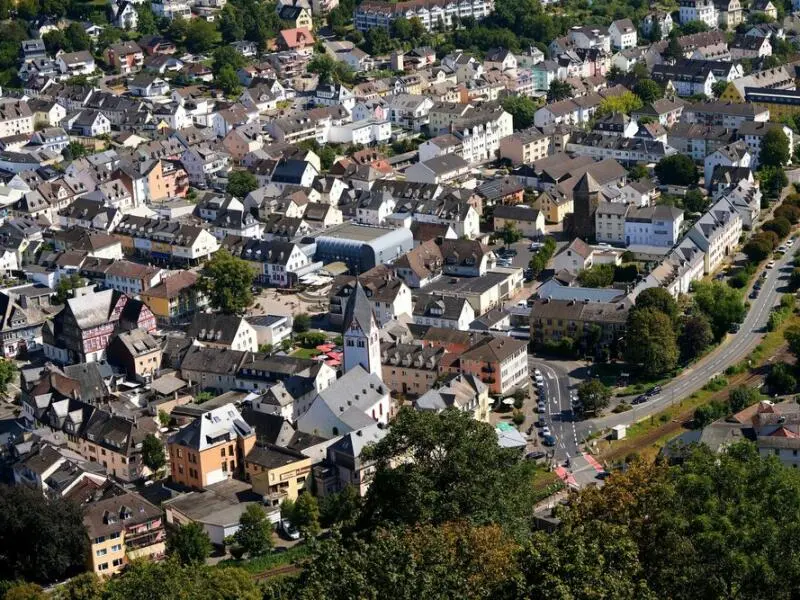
[[360, 333]]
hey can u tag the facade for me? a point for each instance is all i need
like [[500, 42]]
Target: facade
[[440, 13], [501, 363], [210, 449]]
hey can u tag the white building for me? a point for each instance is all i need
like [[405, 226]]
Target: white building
[[732, 155], [717, 233], [653, 226], [698, 10], [366, 133], [623, 34]]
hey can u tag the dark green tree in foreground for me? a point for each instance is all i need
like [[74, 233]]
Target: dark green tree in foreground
[[650, 341], [775, 151], [594, 396], [255, 531], [227, 281], [41, 540], [190, 544], [153, 455], [677, 169]]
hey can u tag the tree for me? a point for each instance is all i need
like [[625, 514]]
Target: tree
[[301, 323], [559, 90], [788, 212], [792, 336], [741, 397], [780, 225], [255, 531], [651, 341], [306, 514], [775, 150], [227, 280], [695, 336], [231, 24], [227, 56], [41, 539], [228, 82], [718, 87], [773, 180], [597, 276], [722, 304], [677, 169], [241, 183], [153, 455], [659, 299], [342, 507], [781, 380], [693, 27], [189, 544], [86, 586], [178, 30], [201, 35], [77, 37], [455, 470], [401, 29], [74, 150], [55, 40], [759, 247], [674, 49], [146, 22], [330, 70], [377, 41], [510, 233], [25, 591], [625, 104], [648, 90], [695, 201], [594, 396], [521, 108]]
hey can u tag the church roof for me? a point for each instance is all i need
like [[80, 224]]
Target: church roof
[[359, 310], [587, 183]]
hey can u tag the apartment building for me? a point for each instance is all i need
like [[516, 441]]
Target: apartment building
[[717, 233], [436, 13], [554, 320], [16, 118], [501, 363], [277, 473], [211, 449]]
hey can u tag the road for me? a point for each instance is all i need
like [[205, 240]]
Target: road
[[735, 348]]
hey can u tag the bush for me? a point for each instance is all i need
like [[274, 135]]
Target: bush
[[621, 408], [780, 225], [518, 417], [518, 402], [237, 552], [626, 273], [708, 413]]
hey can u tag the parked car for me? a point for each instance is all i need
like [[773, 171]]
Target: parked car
[[289, 530], [734, 328], [754, 293], [640, 399], [546, 431], [535, 455], [770, 264], [654, 391], [541, 407], [549, 440]]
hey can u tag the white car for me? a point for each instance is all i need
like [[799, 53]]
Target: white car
[[290, 530], [789, 243], [545, 430], [781, 249], [770, 264]]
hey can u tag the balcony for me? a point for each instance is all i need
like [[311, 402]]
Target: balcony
[[143, 540]]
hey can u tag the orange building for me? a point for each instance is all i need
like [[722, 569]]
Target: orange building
[[212, 448]]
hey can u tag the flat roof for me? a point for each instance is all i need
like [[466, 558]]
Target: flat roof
[[354, 231], [465, 285]]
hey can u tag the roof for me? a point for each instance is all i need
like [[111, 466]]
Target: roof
[[214, 327], [218, 426], [359, 311], [491, 349], [517, 213], [173, 285], [271, 456], [117, 513]]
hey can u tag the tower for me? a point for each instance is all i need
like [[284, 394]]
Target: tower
[[585, 198], [361, 339]]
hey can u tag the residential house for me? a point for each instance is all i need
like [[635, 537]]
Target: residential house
[[529, 221], [501, 363], [137, 352], [222, 331], [74, 64], [175, 299], [127, 57]]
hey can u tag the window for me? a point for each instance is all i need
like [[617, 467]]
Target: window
[[114, 536], [101, 552], [103, 567], [116, 547], [222, 452], [117, 562]]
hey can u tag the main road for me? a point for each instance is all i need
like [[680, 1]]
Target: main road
[[735, 348]]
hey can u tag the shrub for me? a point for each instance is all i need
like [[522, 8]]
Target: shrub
[[518, 418], [621, 408], [237, 552]]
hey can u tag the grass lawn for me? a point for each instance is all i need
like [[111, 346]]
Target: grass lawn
[[268, 561], [545, 484], [306, 353]]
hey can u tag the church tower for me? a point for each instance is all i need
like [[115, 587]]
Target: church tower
[[362, 344], [586, 198]]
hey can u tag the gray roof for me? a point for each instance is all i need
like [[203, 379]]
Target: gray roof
[[554, 290], [359, 310]]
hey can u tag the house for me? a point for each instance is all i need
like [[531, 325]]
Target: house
[[410, 112], [688, 78], [75, 63], [443, 311], [525, 147], [334, 95], [297, 40], [441, 169], [137, 352], [122, 526], [653, 225], [271, 329], [82, 330], [16, 118], [297, 15], [501, 363], [764, 7], [553, 320], [175, 299], [438, 13], [355, 400], [211, 448], [698, 10], [623, 34], [724, 114], [146, 85], [752, 133], [124, 15], [463, 392], [729, 13], [349, 466], [33, 49], [246, 48], [277, 473], [735, 154], [747, 46], [529, 221], [666, 111], [410, 369], [222, 331], [127, 57], [576, 257], [717, 233], [21, 328], [89, 123], [388, 295], [656, 25]]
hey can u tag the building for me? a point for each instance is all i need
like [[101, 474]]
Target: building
[[362, 247], [731, 155], [137, 352], [556, 320], [388, 294], [176, 299], [410, 369], [21, 328], [210, 449], [501, 363], [653, 226], [16, 118], [525, 147], [463, 392], [586, 198], [217, 330], [438, 13], [623, 34], [698, 10], [348, 465], [360, 334], [122, 527], [527, 220], [277, 473], [717, 233]]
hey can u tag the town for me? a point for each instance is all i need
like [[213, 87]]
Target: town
[[326, 299]]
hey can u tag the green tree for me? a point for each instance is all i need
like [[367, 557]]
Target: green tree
[[625, 103], [306, 514], [718, 87], [650, 341], [401, 29], [153, 455], [781, 380], [146, 22], [780, 225], [301, 323], [178, 30], [792, 336], [455, 470], [227, 281], [8, 370], [377, 41], [759, 247], [189, 544], [255, 531], [559, 90], [722, 304], [521, 108], [510, 234], [659, 299], [594, 396], [77, 37], [342, 507], [241, 183], [741, 397], [25, 591], [773, 180], [228, 82], [227, 56], [41, 539], [674, 49], [648, 90], [231, 24], [695, 201], [695, 336], [597, 276], [677, 169], [56, 40], [201, 35], [86, 586], [788, 212], [774, 148]]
